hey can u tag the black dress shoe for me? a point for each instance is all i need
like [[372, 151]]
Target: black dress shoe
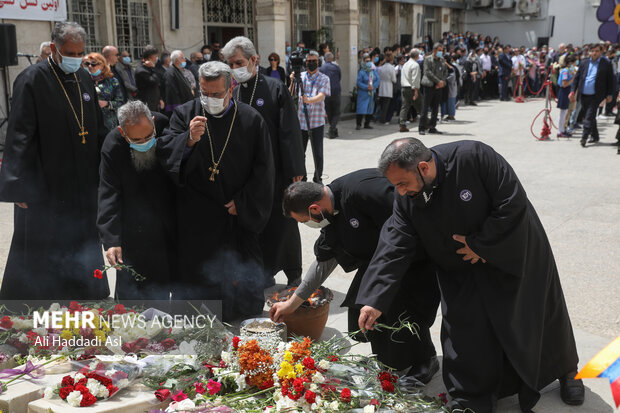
[[593, 140], [434, 131], [421, 132], [572, 391], [367, 127], [424, 372], [583, 143]]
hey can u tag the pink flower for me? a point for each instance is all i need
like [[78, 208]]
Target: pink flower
[[178, 396], [199, 387], [213, 386]]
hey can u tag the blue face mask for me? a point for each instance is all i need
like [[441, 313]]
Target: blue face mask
[[97, 73], [143, 147], [183, 64], [288, 49], [376, 60], [69, 64], [369, 65], [440, 54], [127, 60]]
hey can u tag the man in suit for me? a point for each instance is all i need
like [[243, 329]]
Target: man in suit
[[505, 67], [594, 81]]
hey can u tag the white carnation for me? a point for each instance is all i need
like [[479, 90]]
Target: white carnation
[[74, 398], [54, 307], [48, 393], [240, 382], [369, 409], [226, 357], [399, 407], [22, 324], [78, 376], [324, 364], [122, 383], [314, 387], [23, 338], [318, 378], [334, 405]]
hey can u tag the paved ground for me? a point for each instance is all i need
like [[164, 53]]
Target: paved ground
[[576, 192]]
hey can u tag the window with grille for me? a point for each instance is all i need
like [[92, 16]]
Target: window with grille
[[327, 18], [364, 27], [384, 25], [133, 28], [83, 12], [305, 17], [404, 13], [229, 13]]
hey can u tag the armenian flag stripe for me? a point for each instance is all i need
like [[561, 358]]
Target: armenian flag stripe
[[602, 361], [615, 391]]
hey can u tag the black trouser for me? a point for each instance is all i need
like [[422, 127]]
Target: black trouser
[[590, 104], [332, 108], [430, 101], [317, 150], [358, 120], [385, 105], [504, 87]]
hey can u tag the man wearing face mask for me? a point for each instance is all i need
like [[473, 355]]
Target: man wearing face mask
[[217, 149], [280, 240], [50, 172], [505, 328], [178, 88], [127, 75], [433, 80], [350, 212], [136, 215]]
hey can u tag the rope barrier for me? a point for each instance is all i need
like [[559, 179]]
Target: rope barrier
[[546, 112]]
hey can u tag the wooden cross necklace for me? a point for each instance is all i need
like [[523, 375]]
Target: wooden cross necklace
[[213, 169], [82, 132]]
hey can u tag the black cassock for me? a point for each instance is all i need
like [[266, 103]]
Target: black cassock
[[280, 240], [364, 201], [55, 246], [219, 253], [137, 213], [505, 321]]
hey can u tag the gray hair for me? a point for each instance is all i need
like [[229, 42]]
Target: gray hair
[[414, 53], [239, 43], [68, 31], [132, 112], [313, 53], [329, 56], [175, 55], [44, 44], [406, 153], [214, 71]]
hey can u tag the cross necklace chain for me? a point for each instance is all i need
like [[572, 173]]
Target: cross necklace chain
[[253, 90], [81, 125], [213, 169]]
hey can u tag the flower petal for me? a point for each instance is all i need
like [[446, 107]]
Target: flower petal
[[608, 31], [605, 10]]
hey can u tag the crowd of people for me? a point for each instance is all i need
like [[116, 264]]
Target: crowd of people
[[192, 173]]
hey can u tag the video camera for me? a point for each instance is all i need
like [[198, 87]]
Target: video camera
[[298, 61]]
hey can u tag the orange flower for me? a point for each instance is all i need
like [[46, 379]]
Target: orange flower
[[300, 349], [256, 363]]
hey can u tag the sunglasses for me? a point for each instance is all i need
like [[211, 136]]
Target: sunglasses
[[93, 64], [273, 60]]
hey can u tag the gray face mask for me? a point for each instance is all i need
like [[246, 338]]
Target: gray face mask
[[316, 225]]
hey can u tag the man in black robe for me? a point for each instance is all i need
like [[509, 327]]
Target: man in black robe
[[280, 241], [351, 211], [148, 81], [178, 89], [218, 151], [50, 171], [136, 216], [505, 327]]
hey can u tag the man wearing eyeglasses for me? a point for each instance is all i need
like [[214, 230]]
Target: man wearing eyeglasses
[[136, 218]]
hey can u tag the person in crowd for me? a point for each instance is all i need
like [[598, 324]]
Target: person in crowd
[[44, 51], [395, 103], [364, 200], [565, 80], [387, 78], [162, 64], [127, 75], [433, 79], [505, 70], [50, 172], [332, 102], [217, 149], [136, 215], [487, 79], [109, 92], [478, 80], [311, 109], [449, 106], [215, 54], [193, 65], [111, 55], [367, 82], [148, 81], [287, 54], [206, 52], [462, 205], [275, 70], [410, 88], [178, 87], [280, 240], [595, 82], [472, 72]]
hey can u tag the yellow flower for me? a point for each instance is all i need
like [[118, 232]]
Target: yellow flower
[[100, 335], [285, 370], [299, 368], [288, 357], [66, 334]]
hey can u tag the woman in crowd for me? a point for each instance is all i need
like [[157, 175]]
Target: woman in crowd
[[367, 84], [565, 80], [387, 77], [275, 70], [108, 88]]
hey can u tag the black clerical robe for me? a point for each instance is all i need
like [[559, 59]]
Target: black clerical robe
[[219, 253], [178, 88], [55, 247], [504, 322], [280, 241], [364, 201], [137, 213]]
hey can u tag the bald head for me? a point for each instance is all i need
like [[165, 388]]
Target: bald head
[[111, 54], [405, 153]]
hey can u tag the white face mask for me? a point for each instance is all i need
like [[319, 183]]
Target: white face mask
[[242, 74], [317, 225], [213, 106]]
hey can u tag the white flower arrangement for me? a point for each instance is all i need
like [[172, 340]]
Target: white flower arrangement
[[74, 398]]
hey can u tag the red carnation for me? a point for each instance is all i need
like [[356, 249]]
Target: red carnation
[[87, 399], [74, 306], [387, 386], [111, 389], [100, 367], [298, 385], [384, 375], [128, 347], [141, 343], [235, 342], [443, 398], [222, 364], [162, 394], [168, 343], [266, 384], [67, 381], [374, 402], [200, 388], [64, 391], [82, 389], [119, 309], [310, 396], [6, 322], [309, 363], [98, 274], [332, 358], [81, 382], [345, 395]]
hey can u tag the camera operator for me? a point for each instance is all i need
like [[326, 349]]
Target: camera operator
[[311, 87]]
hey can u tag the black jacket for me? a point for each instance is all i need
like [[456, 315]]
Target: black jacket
[[604, 85], [147, 82]]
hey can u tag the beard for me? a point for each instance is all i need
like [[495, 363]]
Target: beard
[[143, 161]]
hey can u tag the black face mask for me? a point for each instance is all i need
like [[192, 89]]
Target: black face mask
[[312, 66], [423, 197]]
